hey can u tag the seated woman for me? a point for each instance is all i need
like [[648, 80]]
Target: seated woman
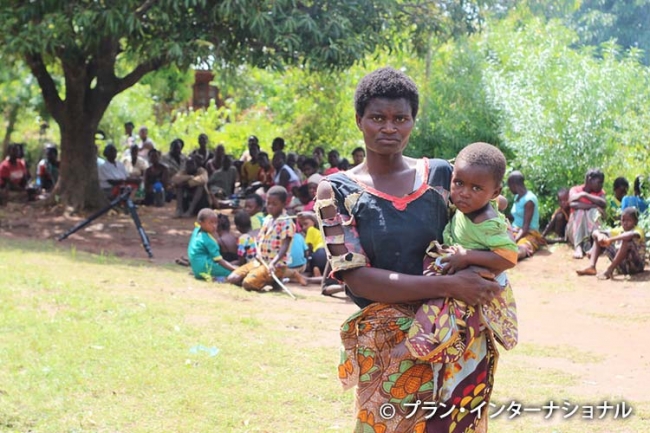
[[525, 211], [588, 205]]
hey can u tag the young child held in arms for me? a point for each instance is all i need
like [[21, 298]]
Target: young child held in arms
[[478, 236], [272, 242], [203, 249], [624, 245]]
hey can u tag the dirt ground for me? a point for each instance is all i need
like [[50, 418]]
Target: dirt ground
[[593, 330]]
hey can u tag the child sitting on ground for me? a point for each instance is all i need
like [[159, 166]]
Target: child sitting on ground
[[559, 219], [272, 242], [227, 241], [478, 236], [315, 243], [203, 249], [254, 205], [298, 264], [246, 243], [624, 245]]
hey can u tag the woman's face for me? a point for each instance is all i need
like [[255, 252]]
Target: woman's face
[[595, 184], [386, 125]]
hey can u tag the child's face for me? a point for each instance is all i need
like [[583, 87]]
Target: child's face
[[209, 225], [620, 192], [472, 187], [305, 223], [250, 206], [627, 222], [312, 188], [274, 206], [563, 199]]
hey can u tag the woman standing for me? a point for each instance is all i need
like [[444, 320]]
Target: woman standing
[[378, 220]]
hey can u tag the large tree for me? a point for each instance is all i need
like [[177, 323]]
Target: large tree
[[102, 47], [625, 21]]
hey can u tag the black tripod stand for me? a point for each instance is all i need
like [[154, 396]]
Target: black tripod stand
[[124, 197]]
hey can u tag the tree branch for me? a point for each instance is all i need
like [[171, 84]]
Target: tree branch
[[144, 7], [51, 96], [140, 71]]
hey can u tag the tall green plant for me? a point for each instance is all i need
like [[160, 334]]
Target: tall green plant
[[563, 111]]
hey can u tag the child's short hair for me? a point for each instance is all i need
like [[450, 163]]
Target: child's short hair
[[486, 155], [258, 199], [278, 191], [311, 216], [205, 214], [310, 162], [242, 221], [621, 182], [223, 223], [631, 212]]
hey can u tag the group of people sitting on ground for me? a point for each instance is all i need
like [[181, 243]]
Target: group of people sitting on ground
[[207, 178], [277, 244], [16, 180], [588, 222], [596, 226], [211, 179]]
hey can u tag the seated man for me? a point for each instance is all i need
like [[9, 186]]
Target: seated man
[[113, 175], [191, 193], [174, 159], [221, 183], [156, 181]]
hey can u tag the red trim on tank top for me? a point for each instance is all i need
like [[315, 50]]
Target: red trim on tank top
[[399, 203]]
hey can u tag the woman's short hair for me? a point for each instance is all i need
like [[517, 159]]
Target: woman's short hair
[[594, 173], [386, 83]]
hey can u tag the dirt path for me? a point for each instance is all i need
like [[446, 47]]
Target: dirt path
[[590, 329]]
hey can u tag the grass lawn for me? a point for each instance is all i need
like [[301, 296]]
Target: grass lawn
[[98, 344]]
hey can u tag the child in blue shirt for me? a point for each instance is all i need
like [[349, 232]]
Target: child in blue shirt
[[203, 249], [298, 252]]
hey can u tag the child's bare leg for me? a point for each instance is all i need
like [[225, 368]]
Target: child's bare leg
[[314, 280], [595, 252], [296, 276], [621, 254], [234, 279]]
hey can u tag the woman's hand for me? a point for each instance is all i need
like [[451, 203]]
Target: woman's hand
[[474, 286]]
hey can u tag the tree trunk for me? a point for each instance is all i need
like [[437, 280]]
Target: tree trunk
[[11, 123], [78, 185]]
